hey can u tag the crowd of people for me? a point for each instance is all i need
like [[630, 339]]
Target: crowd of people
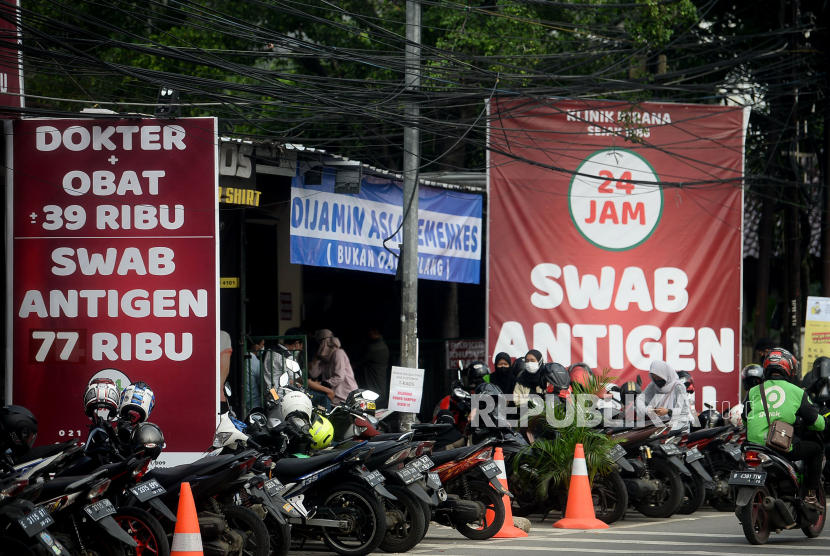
[[331, 373]]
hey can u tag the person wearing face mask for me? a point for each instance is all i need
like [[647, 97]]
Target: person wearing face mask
[[528, 381], [666, 396], [503, 376]]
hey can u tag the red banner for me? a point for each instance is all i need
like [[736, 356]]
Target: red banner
[[615, 237], [113, 270]]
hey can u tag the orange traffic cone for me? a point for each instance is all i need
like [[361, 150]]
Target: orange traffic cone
[[508, 530], [187, 541], [580, 511]]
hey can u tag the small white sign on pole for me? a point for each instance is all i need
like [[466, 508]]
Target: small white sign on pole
[[406, 389]]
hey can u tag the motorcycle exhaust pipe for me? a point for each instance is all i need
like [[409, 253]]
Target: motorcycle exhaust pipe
[[779, 515]]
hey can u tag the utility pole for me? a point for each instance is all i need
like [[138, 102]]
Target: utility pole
[[411, 165]]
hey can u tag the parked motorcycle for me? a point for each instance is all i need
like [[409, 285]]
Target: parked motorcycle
[[769, 496]]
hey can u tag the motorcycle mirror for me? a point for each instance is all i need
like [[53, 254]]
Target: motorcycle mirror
[[283, 380], [227, 390], [370, 396]]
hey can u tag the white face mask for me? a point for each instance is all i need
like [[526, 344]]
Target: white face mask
[[532, 367]]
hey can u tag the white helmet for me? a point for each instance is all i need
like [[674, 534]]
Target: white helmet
[[735, 415], [293, 402]]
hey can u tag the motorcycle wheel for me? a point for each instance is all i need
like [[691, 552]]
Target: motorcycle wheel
[[246, 522], [720, 472], [368, 519], [403, 537], [280, 535], [479, 491], [610, 497], [815, 530], [148, 533], [12, 547], [665, 502], [694, 494], [754, 518]]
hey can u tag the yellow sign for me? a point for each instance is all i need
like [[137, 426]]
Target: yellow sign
[[228, 282], [237, 196], [816, 331]]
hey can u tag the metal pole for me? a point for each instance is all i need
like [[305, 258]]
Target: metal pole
[[411, 163]]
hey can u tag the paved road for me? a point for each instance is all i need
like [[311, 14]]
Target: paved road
[[706, 533]]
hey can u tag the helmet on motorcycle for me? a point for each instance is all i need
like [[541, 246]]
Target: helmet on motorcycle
[[101, 399], [321, 432], [147, 438], [292, 403], [710, 418], [580, 373], [752, 375], [476, 372], [780, 362], [736, 415], [137, 401], [487, 389], [686, 378], [18, 429]]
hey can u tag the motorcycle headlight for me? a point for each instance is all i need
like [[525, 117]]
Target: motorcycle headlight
[[220, 438]]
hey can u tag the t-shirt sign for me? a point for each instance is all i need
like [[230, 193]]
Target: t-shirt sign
[[405, 389], [113, 265]]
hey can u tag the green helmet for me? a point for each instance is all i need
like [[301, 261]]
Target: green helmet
[[322, 433]]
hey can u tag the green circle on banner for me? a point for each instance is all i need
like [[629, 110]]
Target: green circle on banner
[[609, 210]]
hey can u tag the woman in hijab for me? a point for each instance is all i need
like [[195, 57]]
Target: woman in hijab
[[666, 396], [503, 376], [332, 367], [528, 381]]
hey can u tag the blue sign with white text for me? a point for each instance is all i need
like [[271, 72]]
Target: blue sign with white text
[[348, 231]]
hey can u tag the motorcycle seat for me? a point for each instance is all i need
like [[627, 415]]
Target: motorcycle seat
[[706, 433], [440, 458], [289, 469], [46, 451], [167, 476]]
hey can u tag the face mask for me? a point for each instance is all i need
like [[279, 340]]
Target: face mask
[[532, 367], [658, 382]]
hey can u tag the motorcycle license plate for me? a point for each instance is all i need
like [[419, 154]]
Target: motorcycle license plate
[[374, 478], [490, 469], [273, 487], [100, 510], [616, 452], [423, 463], [693, 455], [147, 490], [36, 521], [670, 449], [409, 474], [751, 478]]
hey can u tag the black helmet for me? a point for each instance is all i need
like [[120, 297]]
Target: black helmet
[[752, 375], [18, 429], [147, 437], [686, 378], [476, 372], [487, 389], [555, 375], [821, 368], [711, 418]]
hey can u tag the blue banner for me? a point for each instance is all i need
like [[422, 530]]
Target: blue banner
[[348, 231]]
